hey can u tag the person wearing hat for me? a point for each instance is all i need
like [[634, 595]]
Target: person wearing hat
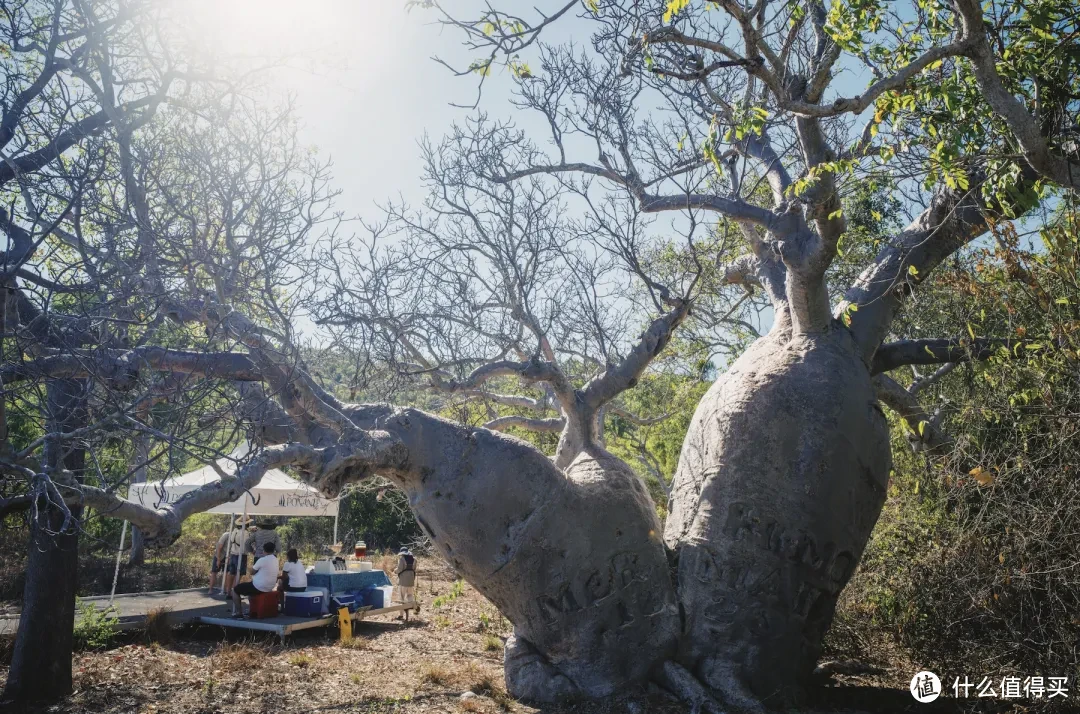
[[406, 572], [264, 534], [231, 543]]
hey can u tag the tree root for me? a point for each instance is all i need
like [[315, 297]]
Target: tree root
[[705, 699], [677, 680], [531, 677]]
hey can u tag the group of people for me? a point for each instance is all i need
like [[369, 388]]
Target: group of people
[[266, 574], [265, 577]]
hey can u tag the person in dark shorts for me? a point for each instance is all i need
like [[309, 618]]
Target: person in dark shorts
[[236, 567], [263, 579], [217, 563]]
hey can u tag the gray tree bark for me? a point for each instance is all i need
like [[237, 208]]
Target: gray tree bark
[[41, 662], [781, 478], [574, 559]]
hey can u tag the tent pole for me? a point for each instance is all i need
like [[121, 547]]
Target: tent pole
[[228, 550], [243, 542], [116, 571]]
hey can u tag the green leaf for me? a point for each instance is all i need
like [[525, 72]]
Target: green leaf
[[674, 7]]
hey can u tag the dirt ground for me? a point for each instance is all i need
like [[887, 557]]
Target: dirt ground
[[449, 659]]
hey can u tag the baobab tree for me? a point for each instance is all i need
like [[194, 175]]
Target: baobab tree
[[676, 109]]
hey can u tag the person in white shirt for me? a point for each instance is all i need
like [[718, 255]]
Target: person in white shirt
[[263, 580], [293, 575]]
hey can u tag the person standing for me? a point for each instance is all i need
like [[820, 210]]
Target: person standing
[[265, 534], [217, 563], [236, 567], [406, 572], [263, 580]]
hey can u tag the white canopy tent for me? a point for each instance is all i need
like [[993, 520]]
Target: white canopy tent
[[276, 494]]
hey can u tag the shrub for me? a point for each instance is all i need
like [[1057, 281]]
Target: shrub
[[95, 628], [492, 643]]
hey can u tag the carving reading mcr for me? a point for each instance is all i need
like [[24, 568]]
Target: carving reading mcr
[[586, 592]]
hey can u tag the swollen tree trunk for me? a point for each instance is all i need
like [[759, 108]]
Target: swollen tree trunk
[[781, 478], [41, 662], [573, 558]]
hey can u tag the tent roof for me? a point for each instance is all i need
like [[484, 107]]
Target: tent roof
[[277, 493]]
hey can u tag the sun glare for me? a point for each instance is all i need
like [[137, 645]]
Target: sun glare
[[255, 27]]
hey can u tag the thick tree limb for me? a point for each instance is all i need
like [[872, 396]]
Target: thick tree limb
[[617, 378], [125, 365], [953, 219], [550, 426], [327, 469], [506, 400], [533, 370], [939, 351], [635, 418], [924, 431], [651, 203]]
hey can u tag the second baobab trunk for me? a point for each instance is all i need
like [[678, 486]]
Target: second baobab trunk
[[782, 476]]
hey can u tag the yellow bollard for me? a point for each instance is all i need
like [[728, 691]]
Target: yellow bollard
[[344, 624]]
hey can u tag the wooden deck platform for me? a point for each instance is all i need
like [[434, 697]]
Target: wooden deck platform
[[183, 606], [284, 625], [195, 605]]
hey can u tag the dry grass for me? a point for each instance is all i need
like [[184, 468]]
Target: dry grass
[[157, 628], [419, 668], [356, 643], [387, 563], [431, 673], [239, 657]]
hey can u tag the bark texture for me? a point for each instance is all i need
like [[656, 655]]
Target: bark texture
[[782, 476], [41, 662], [574, 559]]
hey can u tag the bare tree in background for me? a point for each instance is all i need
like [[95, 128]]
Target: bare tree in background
[[126, 215], [491, 284]]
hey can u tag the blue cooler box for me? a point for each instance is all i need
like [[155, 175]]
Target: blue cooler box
[[305, 604], [372, 597], [349, 600]]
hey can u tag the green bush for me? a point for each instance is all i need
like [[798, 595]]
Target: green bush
[[95, 628], [973, 560]]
